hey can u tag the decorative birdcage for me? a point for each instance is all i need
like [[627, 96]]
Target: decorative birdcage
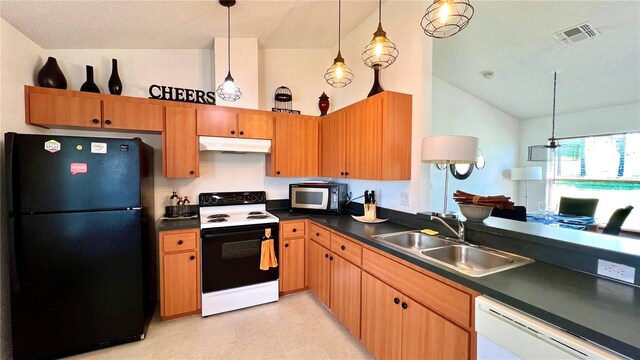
[[282, 100]]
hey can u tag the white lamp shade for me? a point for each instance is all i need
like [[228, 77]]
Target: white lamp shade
[[526, 173], [452, 149]]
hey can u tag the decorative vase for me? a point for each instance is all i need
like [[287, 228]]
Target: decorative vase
[[323, 104], [51, 76], [115, 85], [89, 85], [376, 88]]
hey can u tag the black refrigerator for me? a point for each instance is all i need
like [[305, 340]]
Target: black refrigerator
[[81, 242]]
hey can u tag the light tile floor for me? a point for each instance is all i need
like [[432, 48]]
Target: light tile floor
[[295, 327]]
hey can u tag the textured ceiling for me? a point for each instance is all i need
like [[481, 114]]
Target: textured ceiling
[[57, 24], [513, 39]]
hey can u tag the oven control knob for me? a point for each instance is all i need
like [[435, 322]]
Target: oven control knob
[[260, 197]]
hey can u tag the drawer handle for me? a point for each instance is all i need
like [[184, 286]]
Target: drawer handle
[[277, 172], [191, 172], [96, 121], [108, 122], [346, 173], [233, 132], [326, 255], [342, 247], [286, 245], [404, 305], [317, 234], [396, 301], [192, 257], [294, 230], [342, 173], [180, 242], [241, 132]]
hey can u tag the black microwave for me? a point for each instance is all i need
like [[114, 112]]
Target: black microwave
[[324, 198]]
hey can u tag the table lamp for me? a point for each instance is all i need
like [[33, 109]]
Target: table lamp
[[449, 149], [526, 174]]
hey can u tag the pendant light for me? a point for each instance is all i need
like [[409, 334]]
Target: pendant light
[[381, 52], [445, 18], [549, 151], [338, 75], [228, 90]]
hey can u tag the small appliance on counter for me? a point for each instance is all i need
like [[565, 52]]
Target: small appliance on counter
[[318, 197]]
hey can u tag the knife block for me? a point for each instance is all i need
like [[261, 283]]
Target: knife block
[[369, 212]]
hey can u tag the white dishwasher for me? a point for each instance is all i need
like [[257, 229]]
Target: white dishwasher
[[506, 333]]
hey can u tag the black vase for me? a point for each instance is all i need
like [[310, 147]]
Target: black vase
[[89, 85], [115, 85], [376, 88], [51, 76]]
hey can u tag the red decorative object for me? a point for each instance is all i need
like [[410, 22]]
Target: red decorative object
[[323, 104]]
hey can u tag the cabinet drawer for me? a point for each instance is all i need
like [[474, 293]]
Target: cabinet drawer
[[347, 249], [291, 229], [320, 235], [440, 297], [179, 241]]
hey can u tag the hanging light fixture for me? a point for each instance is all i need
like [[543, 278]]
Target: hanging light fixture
[[552, 149], [338, 75], [445, 18], [381, 52], [228, 90]]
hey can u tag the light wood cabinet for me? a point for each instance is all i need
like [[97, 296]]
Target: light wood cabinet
[[345, 293], [319, 272], [57, 108], [180, 148], [295, 146], [179, 273], [396, 327], [292, 256], [370, 139], [235, 123]]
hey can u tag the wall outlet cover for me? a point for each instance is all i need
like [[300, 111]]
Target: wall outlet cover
[[616, 271], [404, 199]]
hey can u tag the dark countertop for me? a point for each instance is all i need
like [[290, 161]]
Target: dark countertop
[[597, 309], [166, 225]]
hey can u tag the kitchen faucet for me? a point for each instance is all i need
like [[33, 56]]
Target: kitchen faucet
[[459, 234]]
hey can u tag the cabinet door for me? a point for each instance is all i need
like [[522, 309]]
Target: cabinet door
[[345, 293], [332, 143], [253, 125], [426, 335], [319, 267], [127, 115], [72, 111], [180, 143], [381, 318], [217, 122], [363, 139], [292, 265], [295, 148], [180, 283]]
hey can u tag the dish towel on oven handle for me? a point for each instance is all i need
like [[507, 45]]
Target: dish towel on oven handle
[[268, 252]]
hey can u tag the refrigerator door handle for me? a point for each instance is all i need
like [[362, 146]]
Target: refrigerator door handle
[[13, 260], [9, 144]]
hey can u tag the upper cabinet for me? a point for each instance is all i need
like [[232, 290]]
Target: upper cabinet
[[295, 146], [54, 108], [368, 140], [180, 148], [235, 123]]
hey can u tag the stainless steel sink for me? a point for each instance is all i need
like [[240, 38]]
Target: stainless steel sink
[[470, 260], [413, 240]]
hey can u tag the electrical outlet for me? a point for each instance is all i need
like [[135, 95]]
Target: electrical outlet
[[616, 271], [404, 199]]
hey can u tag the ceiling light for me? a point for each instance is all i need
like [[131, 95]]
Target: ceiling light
[[487, 74], [338, 75], [228, 90], [381, 52], [445, 18]]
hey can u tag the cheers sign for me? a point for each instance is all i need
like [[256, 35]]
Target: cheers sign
[[180, 94]]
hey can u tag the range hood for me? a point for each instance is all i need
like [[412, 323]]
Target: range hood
[[234, 145]]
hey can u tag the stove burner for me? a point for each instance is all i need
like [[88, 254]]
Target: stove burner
[[217, 220], [256, 213], [263, 216], [217, 216]]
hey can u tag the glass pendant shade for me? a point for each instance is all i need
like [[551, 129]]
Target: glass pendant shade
[[445, 18], [339, 74], [228, 90]]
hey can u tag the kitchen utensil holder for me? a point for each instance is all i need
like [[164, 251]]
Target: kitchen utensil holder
[[369, 212]]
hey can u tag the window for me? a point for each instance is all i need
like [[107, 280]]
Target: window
[[606, 167]]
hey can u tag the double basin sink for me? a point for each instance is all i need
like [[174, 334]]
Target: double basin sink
[[452, 253]]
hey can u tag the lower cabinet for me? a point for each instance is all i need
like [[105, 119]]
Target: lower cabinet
[[395, 326], [179, 273], [291, 264], [319, 272]]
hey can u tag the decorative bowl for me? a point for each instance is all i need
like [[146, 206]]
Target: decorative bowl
[[475, 212]]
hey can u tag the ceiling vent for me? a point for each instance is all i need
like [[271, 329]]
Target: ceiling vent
[[576, 34]]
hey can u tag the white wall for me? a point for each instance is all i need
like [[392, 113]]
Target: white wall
[[302, 71], [536, 131], [244, 69], [456, 112], [411, 74]]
